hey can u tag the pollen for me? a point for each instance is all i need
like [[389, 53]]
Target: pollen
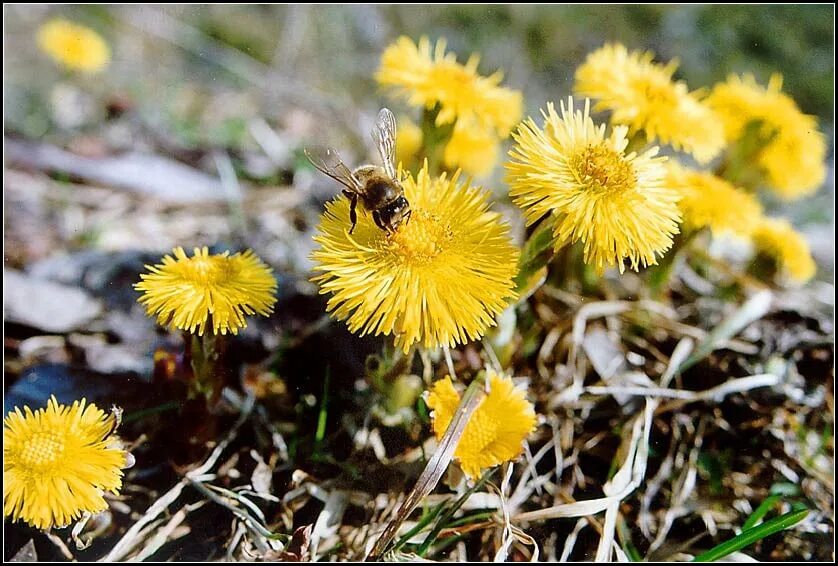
[[44, 449], [602, 169], [421, 239]]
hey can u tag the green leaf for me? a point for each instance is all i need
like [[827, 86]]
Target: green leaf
[[752, 535], [760, 512], [532, 265]]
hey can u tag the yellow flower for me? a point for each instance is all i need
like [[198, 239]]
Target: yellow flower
[[208, 290], [776, 238], [424, 77], [440, 279], [74, 46], [497, 429], [409, 140], [616, 204], [710, 201], [642, 95], [473, 148], [58, 461], [792, 150]]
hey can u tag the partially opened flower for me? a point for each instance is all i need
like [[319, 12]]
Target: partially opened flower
[[473, 148], [643, 95], [710, 201], [616, 203], [74, 46], [208, 291], [426, 76], [497, 429], [58, 462], [439, 280], [777, 238], [790, 149]]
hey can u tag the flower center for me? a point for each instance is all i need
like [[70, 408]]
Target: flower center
[[657, 92], [482, 431], [600, 168], [206, 270], [43, 449], [420, 240], [451, 74]]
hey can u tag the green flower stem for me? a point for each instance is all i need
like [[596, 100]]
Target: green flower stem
[[434, 139]]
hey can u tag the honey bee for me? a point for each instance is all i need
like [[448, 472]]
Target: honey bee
[[377, 188]]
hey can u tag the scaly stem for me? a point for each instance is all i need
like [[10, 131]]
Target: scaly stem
[[208, 367]]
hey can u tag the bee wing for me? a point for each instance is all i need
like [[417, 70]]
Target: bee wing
[[328, 162], [384, 136]]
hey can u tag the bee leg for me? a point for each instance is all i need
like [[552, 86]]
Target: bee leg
[[353, 215], [378, 222], [407, 216]]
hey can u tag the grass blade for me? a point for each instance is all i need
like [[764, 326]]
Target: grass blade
[[752, 535], [760, 512]]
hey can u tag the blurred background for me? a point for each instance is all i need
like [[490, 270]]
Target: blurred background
[[235, 92]]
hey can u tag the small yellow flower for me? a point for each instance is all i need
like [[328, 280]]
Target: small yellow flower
[[473, 148], [440, 279], [408, 142], [792, 151], [778, 239], [426, 76], [497, 429], [74, 46], [616, 204], [208, 290], [710, 201], [58, 462], [642, 95]]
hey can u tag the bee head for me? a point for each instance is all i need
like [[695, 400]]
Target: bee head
[[393, 214]]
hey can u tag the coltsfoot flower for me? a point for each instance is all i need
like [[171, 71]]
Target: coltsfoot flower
[[58, 462], [791, 150], [74, 46], [777, 238], [616, 203], [497, 429], [710, 201], [215, 291], [408, 142], [473, 148], [439, 280], [642, 95], [426, 76]]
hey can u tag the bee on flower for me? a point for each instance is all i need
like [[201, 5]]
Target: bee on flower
[[439, 280]]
